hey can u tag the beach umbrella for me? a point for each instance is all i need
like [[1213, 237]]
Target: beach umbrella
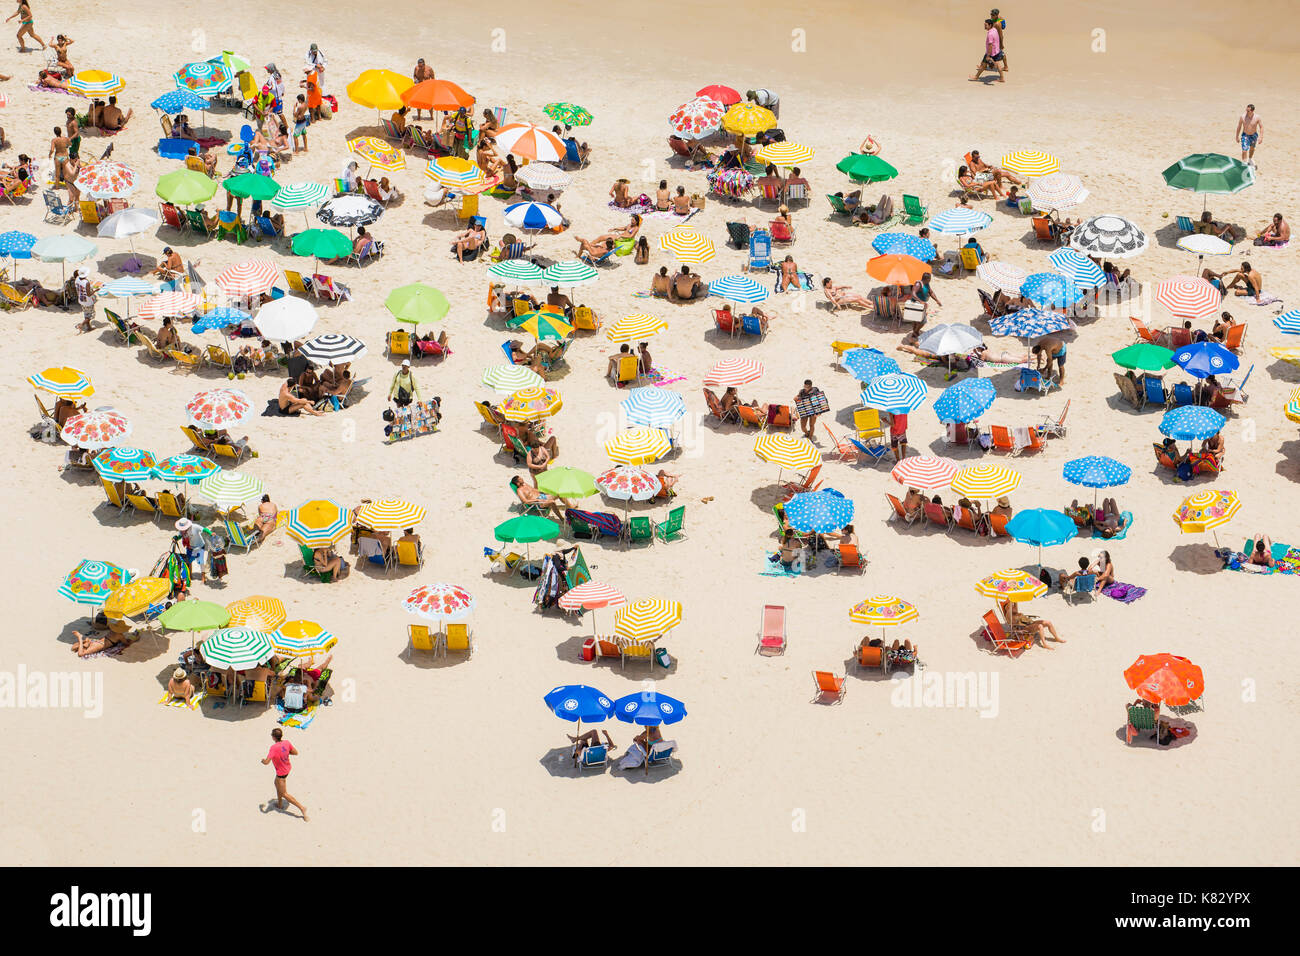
[[229, 489], [959, 221], [63, 381], [350, 210], [543, 177], [697, 118], [723, 94], [592, 596], [655, 407], [128, 223], [578, 702], [903, 244], [531, 404], [91, 582], [542, 325], [1288, 322], [570, 114], [562, 481], [128, 288], [531, 142], [570, 272], [1202, 359], [204, 78], [1290, 355], [321, 244], [239, 648], [194, 615], [233, 62], [925, 471], [441, 95], [985, 481], [1002, 276], [136, 597], [739, 289], [630, 328], [1050, 290], [819, 511], [649, 709], [1011, 584], [1188, 297], [787, 451], [866, 364], [525, 529], [456, 173], [895, 269], [99, 428], [378, 154], [180, 101], [687, 245], [864, 168], [511, 378], [125, 464], [1078, 268], [259, 612], [638, 446], [63, 249], [389, 514], [647, 619], [1057, 191], [169, 303], [1043, 528], [1027, 162], [1165, 679], [1191, 423], [302, 196], [440, 602], [517, 272], [628, 483], [218, 408], [90, 83], [253, 277], [1108, 236], [302, 639], [1206, 510], [185, 187], [417, 303], [251, 186], [184, 469], [16, 245], [951, 339], [1209, 173], [319, 523], [220, 319], [330, 347], [1096, 471], [786, 154], [734, 372], [533, 216], [1202, 245], [285, 319], [882, 611], [106, 179], [966, 401], [897, 392], [748, 119], [1029, 323], [379, 89]]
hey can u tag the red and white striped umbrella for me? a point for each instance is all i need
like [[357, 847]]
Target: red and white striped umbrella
[[925, 471], [169, 303], [592, 595], [531, 142], [248, 278], [735, 371], [218, 408], [1188, 297]]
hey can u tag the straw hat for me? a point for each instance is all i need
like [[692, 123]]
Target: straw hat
[[1004, 501], [179, 673]]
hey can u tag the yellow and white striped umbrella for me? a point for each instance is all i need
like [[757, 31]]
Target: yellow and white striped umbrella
[[379, 154], [688, 245], [638, 446], [787, 451], [786, 154], [66, 382], [633, 327], [1011, 584], [1029, 162], [1292, 408], [1206, 510], [748, 118], [646, 620], [259, 612], [456, 174], [531, 404], [389, 514], [1287, 353], [985, 481], [302, 639], [883, 610]]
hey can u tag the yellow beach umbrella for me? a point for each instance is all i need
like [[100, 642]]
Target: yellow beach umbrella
[[1206, 510], [136, 597], [389, 514], [378, 153], [638, 446], [64, 382], [259, 612], [749, 119], [319, 523], [1287, 353], [630, 328], [985, 481], [531, 404], [787, 451], [379, 89], [302, 639], [786, 154], [688, 245], [646, 620], [1011, 584], [1292, 408], [883, 610], [96, 83], [454, 173], [1031, 162]]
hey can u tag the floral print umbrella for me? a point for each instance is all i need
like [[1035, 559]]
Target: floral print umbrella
[[440, 602], [91, 582], [103, 179], [205, 79], [190, 469], [1206, 510], [530, 404], [218, 408], [1011, 584], [883, 610], [698, 118], [629, 483], [125, 464], [96, 429]]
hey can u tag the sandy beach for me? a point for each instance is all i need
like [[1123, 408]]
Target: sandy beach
[[432, 761]]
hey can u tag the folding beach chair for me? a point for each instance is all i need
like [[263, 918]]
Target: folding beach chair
[[829, 687]]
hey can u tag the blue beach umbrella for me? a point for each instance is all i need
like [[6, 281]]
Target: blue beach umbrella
[[1202, 359], [1288, 322], [897, 392], [1081, 270], [820, 511], [959, 221], [866, 364], [127, 288], [578, 702], [1050, 290], [1028, 323], [532, 215], [1096, 471], [904, 244], [966, 401], [219, 319], [739, 289], [178, 101], [16, 245], [1191, 423], [1042, 527], [649, 709], [654, 407], [184, 469]]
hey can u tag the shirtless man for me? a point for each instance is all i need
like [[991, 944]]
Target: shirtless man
[[1249, 130], [558, 298], [421, 73], [111, 118], [1275, 233], [291, 404], [979, 167], [171, 266], [686, 284], [1251, 279]]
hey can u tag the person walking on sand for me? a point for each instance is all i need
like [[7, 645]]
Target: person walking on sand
[[992, 53], [1249, 130], [25, 28], [1000, 24], [279, 754]]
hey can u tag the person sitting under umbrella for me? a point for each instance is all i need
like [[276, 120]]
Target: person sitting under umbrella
[[290, 403], [328, 561], [529, 496], [590, 739]]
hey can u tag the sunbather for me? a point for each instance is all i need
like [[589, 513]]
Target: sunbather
[[1207, 225], [687, 285], [843, 295], [1033, 627], [1104, 568], [528, 495], [988, 187], [1251, 281], [1108, 521], [590, 739], [179, 687], [619, 192], [984, 171], [593, 250], [789, 277], [471, 240], [85, 646], [913, 502], [1276, 233], [291, 404], [1262, 554], [111, 118], [267, 518]]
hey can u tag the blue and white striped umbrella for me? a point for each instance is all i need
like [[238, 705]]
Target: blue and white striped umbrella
[[1096, 471], [1203, 359], [1050, 290], [1085, 273], [1028, 323], [220, 318], [1288, 322], [655, 407], [898, 392], [904, 244], [739, 289], [820, 511], [867, 364], [127, 287], [1191, 423], [16, 245], [960, 221], [532, 215], [966, 401], [178, 101]]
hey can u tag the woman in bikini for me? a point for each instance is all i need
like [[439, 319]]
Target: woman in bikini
[[24, 15], [663, 197]]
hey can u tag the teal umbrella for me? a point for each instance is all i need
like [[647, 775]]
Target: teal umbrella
[[322, 244], [251, 186], [1209, 173], [862, 168]]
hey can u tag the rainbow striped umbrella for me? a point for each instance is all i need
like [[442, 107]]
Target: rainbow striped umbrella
[[531, 404], [734, 372], [748, 118], [1206, 510], [259, 612], [390, 514], [218, 408], [440, 602], [739, 289], [638, 446], [456, 174], [169, 303], [511, 378], [786, 154], [302, 639], [570, 114], [787, 451], [1188, 297], [247, 278], [570, 272], [688, 245], [895, 392], [319, 523], [697, 118], [187, 469], [630, 328], [647, 619], [883, 610], [985, 481], [91, 582], [96, 83], [1057, 191], [628, 483], [925, 471], [1011, 584], [98, 428], [63, 381], [204, 78], [237, 647], [517, 272], [1002, 276], [378, 153], [1031, 163], [656, 407], [229, 489], [531, 142]]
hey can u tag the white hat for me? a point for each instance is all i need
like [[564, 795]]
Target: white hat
[[184, 524], [406, 363]]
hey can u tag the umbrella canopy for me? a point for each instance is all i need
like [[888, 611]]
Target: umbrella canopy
[[379, 153], [441, 95], [218, 408], [531, 404], [897, 392], [125, 464], [542, 325], [64, 248], [591, 596], [960, 221], [63, 381], [205, 78], [820, 511], [966, 401], [864, 168], [330, 347], [1144, 356], [1188, 297], [1002, 276], [925, 471], [96, 83], [440, 602], [259, 612], [525, 529], [517, 271], [1011, 584], [511, 378], [578, 702], [787, 451], [233, 62], [286, 319], [179, 101], [1078, 268], [953, 339], [570, 272], [866, 364], [136, 597], [985, 481], [98, 428], [1191, 423], [229, 489], [883, 610], [786, 154], [302, 639], [300, 196], [169, 303], [240, 648], [543, 177], [16, 245], [1209, 173], [688, 245], [379, 89], [1202, 359], [1203, 244], [416, 303], [1096, 471], [723, 94], [895, 269], [350, 210], [638, 446], [1043, 528], [1288, 322], [905, 244], [1028, 323], [1057, 191], [91, 582], [656, 407], [1108, 236], [251, 186], [649, 708], [186, 469], [194, 615], [319, 523], [630, 328], [105, 179], [1206, 510], [127, 287], [565, 482], [1051, 290], [185, 187], [739, 289], [1165, 679], [322, 244], [698, 118], [1029, 162], [748, 119], [389, 514], [628, 483], [253, 277], [734, 372], [127, 222], [531, 142], [532, 215], [647, 619], [455, 173]]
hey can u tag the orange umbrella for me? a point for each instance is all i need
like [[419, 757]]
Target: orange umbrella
[[1165, 679], [896, 269], [433, 95]]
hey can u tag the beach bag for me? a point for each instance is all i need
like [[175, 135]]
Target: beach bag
[[328, 106], [697, 201], [662, 658], [219, 564]]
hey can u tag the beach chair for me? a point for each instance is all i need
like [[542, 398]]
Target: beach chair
[[297, 283], [143, 505], [1002, 440], [838, 208], [725, 322], [938, 514], [592, 525], [913, 210], [218, 356], [408, 554], [998, 526], [661, 754], [419, 638], [1144, 334], [753, 325], [1182, 394], [584, 318], [309, 565], [636, 650], [237, 534], [715, 409], [782, 232], [1043, 230], [1033, 378], [579, 572], [1240, 389], [1128, 390], [398, 342], [1178, 338], [670, 528], [13, 300], [194, 219], [848, 556], [830, 689], [628, 369], [638, 529], [114, 492], [56, 210], [844, 449], [1084, 584], [867, 423], [1185, 224], [596, 755], [864, 655], [996, 635], [1235, 336], [771, 630], [1153, 392], [969, 258], [738, 234], [604, 257], [89, 212], [170, 505], [228, 450], [261, 227], [458, 637], [326, 288], [572, 155], [1140, 720], [900, 511], [802, 484], [760, 251], [125, 332], [152, 350], [1055, 427]]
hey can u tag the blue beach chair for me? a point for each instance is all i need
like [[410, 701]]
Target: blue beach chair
[[760, 250], [1154, 391]]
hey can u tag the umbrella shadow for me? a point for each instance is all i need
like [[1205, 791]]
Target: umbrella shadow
[[1289, 466], [1144, 741], [1284, 371], [765, 496], [942, 448], [1167, 235], [118, 260], [558, 762], [429, 661], [1196, 558]]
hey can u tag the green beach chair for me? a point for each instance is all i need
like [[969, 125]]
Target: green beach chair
[[1141, 719], [913, 209], [671, 528], [638, 529], [837, 206], [238, 537], [309, 566]]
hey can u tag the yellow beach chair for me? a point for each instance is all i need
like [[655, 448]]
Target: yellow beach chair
[[218, 356], [143, 505], [408, 554], [458, 638], [185, 360], [114, 490], [419, 638], [170, 505]]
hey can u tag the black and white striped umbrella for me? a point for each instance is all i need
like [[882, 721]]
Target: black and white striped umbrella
[[332, 347], [1110, 236], [350, 210]]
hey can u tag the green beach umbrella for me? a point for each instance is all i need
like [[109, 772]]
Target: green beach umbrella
[[526, 529], [416, 303], [233, 62], [237, 647], [565, 482], [1209, 173], [194, 616], [252, 186], [570, 114], [1144, 356], [185, 187], [322, 244], [541, 325], [862, 168]]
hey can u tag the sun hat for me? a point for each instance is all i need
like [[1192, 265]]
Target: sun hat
[[1004, 501], [179, 673], [184, 524]]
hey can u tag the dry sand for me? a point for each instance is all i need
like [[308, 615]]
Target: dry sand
[[425, 763]]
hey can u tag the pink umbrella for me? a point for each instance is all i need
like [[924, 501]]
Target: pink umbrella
[[925, 471], [169, 303], [592, 595], [99, 428], [531, 142], [1188, 297], [731, 372], [218, 408], [248, 278]]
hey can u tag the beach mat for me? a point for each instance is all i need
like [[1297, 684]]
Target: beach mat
[[1126, 522], [1124, 593], [299, 720], [1286, 559], [167, 701], [36, 88]]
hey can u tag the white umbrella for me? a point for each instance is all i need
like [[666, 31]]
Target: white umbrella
[[285, 319], [950, 340], [543, 176], [126, 223]]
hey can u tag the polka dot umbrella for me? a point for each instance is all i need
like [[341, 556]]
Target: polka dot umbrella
[[820, 511]]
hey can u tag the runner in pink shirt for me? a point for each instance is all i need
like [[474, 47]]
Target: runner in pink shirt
[[993, 56], [278, 756]]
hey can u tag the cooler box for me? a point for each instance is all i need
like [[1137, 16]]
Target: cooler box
[[589, 649]]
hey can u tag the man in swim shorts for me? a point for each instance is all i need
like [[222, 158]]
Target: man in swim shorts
[[1249, 129]]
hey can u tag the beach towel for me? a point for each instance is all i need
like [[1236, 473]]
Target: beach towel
[[773, 568], [1124, 593], [805, 284], [1126, 522], [1264, 298], [659, 377], [168, 701], [35, 88], [113, 650], [300, 720], [1286, 559], [602, 522], [208, 142], [642, 205]]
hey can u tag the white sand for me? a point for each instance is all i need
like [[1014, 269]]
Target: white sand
[[420, 762]]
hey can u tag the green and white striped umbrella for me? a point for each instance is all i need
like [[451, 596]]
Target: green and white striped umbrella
[[228, 489], [237, 647], [300, 196], [518, 271], [509, 379], [570, 272]]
